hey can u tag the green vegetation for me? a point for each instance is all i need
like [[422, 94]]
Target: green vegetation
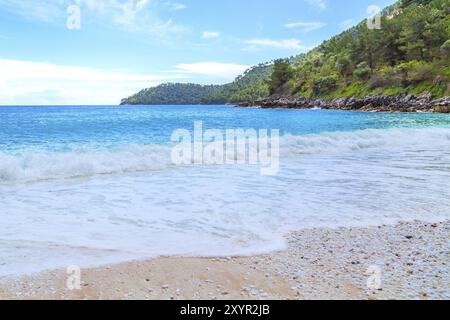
[[252, 85], [172, 93], [409, 54], [282, 74]]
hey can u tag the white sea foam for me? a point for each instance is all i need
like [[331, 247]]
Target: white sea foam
[[357, 178], [31, 166], [333, 142]]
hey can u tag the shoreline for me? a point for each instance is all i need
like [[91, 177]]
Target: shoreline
[[318, 264], [405, 104]]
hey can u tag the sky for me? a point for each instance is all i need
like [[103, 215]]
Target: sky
[[91, 52]]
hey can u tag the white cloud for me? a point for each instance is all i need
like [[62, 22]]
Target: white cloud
[[305, 26], [135, 15], [283, 44], [143, 16], [42, 10], [210, 35], [41, 83], [318, 3], [226, 71], [175, 6], [27, 82], [28, 70]]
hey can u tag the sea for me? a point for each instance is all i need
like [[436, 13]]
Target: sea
[[92, 185]]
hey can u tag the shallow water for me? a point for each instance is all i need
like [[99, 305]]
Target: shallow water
[[92, 185]]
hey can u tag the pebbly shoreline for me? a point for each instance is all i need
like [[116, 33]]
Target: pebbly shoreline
[[412, 258], [406, 103]]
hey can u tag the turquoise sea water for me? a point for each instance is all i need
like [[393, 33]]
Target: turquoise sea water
[[63, 128], [92, 185]]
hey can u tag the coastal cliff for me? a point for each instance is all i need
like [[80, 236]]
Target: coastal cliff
[[405, 103]]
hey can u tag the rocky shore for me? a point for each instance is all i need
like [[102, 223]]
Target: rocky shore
[[405, 103]]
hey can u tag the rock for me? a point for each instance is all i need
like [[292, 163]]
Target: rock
[[404, 103]]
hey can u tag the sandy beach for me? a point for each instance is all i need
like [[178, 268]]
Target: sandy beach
[[319, 264]]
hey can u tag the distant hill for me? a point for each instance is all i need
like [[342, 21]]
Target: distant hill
[[172, 93], [252, 85], [409, 54]]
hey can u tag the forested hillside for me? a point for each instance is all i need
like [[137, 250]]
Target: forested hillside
[[252, 85], [172, 93], [410, 53]]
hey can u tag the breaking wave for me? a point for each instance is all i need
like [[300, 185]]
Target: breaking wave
[[31, 166]]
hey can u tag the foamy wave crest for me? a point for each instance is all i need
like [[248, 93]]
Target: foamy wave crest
[[335, 142], [32, 166]]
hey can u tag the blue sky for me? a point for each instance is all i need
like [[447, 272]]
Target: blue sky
[[123, 46]]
